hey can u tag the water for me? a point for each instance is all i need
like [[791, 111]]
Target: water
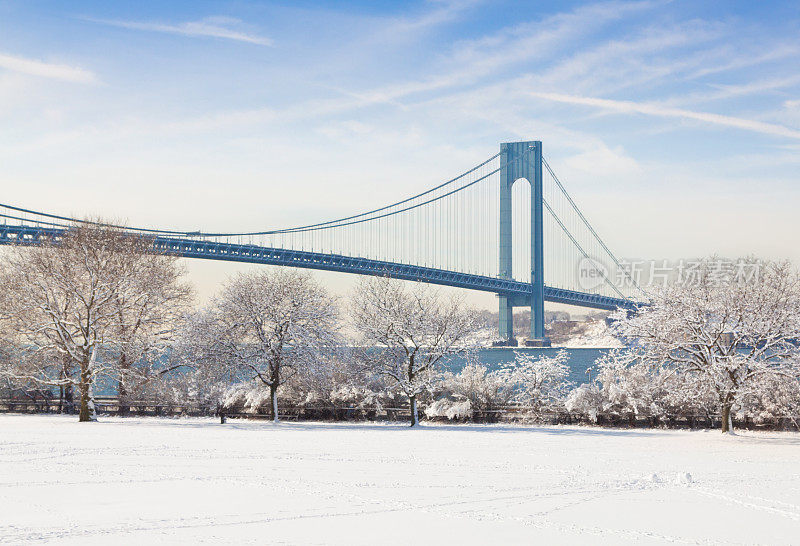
[[580, 360]]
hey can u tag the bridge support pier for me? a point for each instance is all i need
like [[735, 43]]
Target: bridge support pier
[[538, 338], [506, 322], [522, 160]]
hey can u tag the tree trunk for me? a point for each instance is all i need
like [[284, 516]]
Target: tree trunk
[[87, 412], [273, 395], [122, 387], [67, 402], [414, 414], [412, 399], [727, 417]]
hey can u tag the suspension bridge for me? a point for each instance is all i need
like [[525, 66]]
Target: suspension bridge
[[506, 225]]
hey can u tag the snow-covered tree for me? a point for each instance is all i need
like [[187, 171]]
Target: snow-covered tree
[[450, 409], [632, 385], [338, 381], [540, 380], [537, 382], [145, 327], [474, 388], [724, 330], [408, 330], [774, 398], [585, 400], [264, 328], [199, 380], [62, 304]]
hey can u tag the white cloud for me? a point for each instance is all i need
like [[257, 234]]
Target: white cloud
[[471, 60], [638, 59], [34, 67], [212, 27], [537, 39], [347, 129], [723, 92], [738, 60], [603, 161], [447, 12], [650, 109]]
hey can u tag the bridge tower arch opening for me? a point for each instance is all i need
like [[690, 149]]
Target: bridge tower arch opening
[[522, 162]]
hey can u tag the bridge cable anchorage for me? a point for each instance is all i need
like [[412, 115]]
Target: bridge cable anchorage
[[589, 225]]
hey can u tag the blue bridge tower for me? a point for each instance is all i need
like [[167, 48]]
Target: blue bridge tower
[[522, 161]]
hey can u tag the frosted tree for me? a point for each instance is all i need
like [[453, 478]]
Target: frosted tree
[[66, 306], [484, 390], [202, 381], [585, 400], [632, 385], [146, 326], [774, 398], [265, 327], [337, 381], [726, 329], [540, 380], [409, 330]]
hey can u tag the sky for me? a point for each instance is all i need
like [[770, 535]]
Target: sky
[[674, 125]]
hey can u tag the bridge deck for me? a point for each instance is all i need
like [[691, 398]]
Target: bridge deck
[[233, 252]]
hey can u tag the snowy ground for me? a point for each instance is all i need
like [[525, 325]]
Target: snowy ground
[[161, 481]]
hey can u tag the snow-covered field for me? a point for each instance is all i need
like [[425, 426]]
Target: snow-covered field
[[187, 481]]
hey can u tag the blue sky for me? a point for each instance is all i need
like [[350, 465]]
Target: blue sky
[[675, 125]]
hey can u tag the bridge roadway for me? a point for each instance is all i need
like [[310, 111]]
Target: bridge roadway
[[234, 252]]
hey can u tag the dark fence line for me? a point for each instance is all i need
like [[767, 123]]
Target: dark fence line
[[508, 414], [106, 406]]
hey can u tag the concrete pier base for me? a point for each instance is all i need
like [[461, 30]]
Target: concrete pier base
[[542, 342], [505, 343]]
